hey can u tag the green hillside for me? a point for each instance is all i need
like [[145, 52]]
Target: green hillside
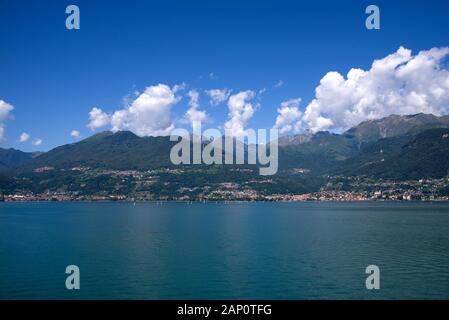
[[121, 150], [425, 155], [123, 163], [12, 158]]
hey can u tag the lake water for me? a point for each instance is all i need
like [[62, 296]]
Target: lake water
[[224, 251]]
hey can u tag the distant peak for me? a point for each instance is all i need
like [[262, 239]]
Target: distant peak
[[124, 133]]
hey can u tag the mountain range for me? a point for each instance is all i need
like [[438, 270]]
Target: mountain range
[[397, 147]]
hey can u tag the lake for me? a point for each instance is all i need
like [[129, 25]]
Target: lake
[[310, 250]]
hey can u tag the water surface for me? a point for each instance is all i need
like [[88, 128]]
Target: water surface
[[224, 251]]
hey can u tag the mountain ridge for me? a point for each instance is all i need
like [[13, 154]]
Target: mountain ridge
[[415, 147]]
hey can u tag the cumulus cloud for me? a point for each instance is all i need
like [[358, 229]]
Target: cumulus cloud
[[75, 134], [149, 114], [240, 111], [218, 96], [24, 137], [5, 109], [98, 119], [5, 113], [289, 117], [193, 115], [400, 83], [37, 141]]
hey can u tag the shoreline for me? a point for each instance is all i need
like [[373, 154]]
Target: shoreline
[[219, 201]]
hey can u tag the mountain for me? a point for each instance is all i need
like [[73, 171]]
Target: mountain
[[295, 139], [317, 152], [396, 125], [396, 147], [323, 151], [373, 130], [121, 150], [12, 158], [123, 163], [424, 155]]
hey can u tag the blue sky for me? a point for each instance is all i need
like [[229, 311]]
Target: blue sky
[[53, 77]]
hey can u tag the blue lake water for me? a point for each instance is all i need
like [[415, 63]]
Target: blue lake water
[[224, 251]]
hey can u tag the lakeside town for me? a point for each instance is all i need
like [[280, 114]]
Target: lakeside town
[[244, 195], [135, 186]]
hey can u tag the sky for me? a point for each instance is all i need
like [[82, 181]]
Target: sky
[[152, 66]]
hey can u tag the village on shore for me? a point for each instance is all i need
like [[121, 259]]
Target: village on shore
[[336, 188], [245, 196]]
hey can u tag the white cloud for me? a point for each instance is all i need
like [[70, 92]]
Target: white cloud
[[240, 111], [193, 115], [37, 141], [75, 134], [397, 84], [179, 87], [149, 114], [289, 118], [279, 84], [24, 137], [5, 113], [5, 109], [98, 119], [118, 120], [218, 96]]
